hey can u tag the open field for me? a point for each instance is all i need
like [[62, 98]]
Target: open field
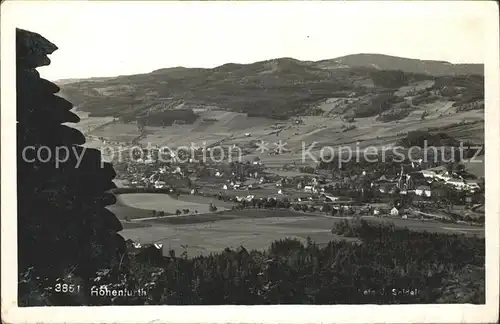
[[229, 128], [257, 229], [123, 211], [133, 207], [163, 202], [88, 124], [226, 215], [117, 132], [131, 225], [205, 201], [206, 238]]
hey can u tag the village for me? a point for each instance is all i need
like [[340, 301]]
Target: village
[[405, 190]]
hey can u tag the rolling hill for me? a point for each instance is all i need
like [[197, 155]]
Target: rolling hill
[[283, 88], [386, 62]]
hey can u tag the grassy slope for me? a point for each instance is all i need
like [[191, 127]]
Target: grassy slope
[[274, 87], [291, 87]]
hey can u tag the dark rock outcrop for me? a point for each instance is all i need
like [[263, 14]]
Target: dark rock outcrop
[[63, 225]]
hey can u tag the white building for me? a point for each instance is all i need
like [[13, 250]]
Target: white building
[[472, 185], [457, 183], [394, 211], [428, 174], [444, 176], [160, 184], [423, 191]]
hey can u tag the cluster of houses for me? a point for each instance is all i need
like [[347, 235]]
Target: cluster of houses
[[151, 173], [147, 175], [321, 187], [457, 180], [421, 182]]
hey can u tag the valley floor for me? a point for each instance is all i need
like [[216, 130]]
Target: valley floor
[[257, 229]]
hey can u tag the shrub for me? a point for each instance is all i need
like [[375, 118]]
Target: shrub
[[405, 105], [389, 79], [348, 128], [393, 115], [444, 268], [286, 246], [418, 138]]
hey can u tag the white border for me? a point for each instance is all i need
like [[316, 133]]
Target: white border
[[256, 314]]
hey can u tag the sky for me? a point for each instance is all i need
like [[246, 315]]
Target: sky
[[110, 38]]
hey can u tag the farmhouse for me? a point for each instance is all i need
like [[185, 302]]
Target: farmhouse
[[446, 176], [389, 188], [457, 183], [472, 185], [423, 191], [394, 211]]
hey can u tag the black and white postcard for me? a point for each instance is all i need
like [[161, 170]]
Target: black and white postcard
[[252, 162]]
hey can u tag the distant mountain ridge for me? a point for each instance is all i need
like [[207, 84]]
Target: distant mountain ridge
[[277, 88], [387, 62], [383, 61]]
